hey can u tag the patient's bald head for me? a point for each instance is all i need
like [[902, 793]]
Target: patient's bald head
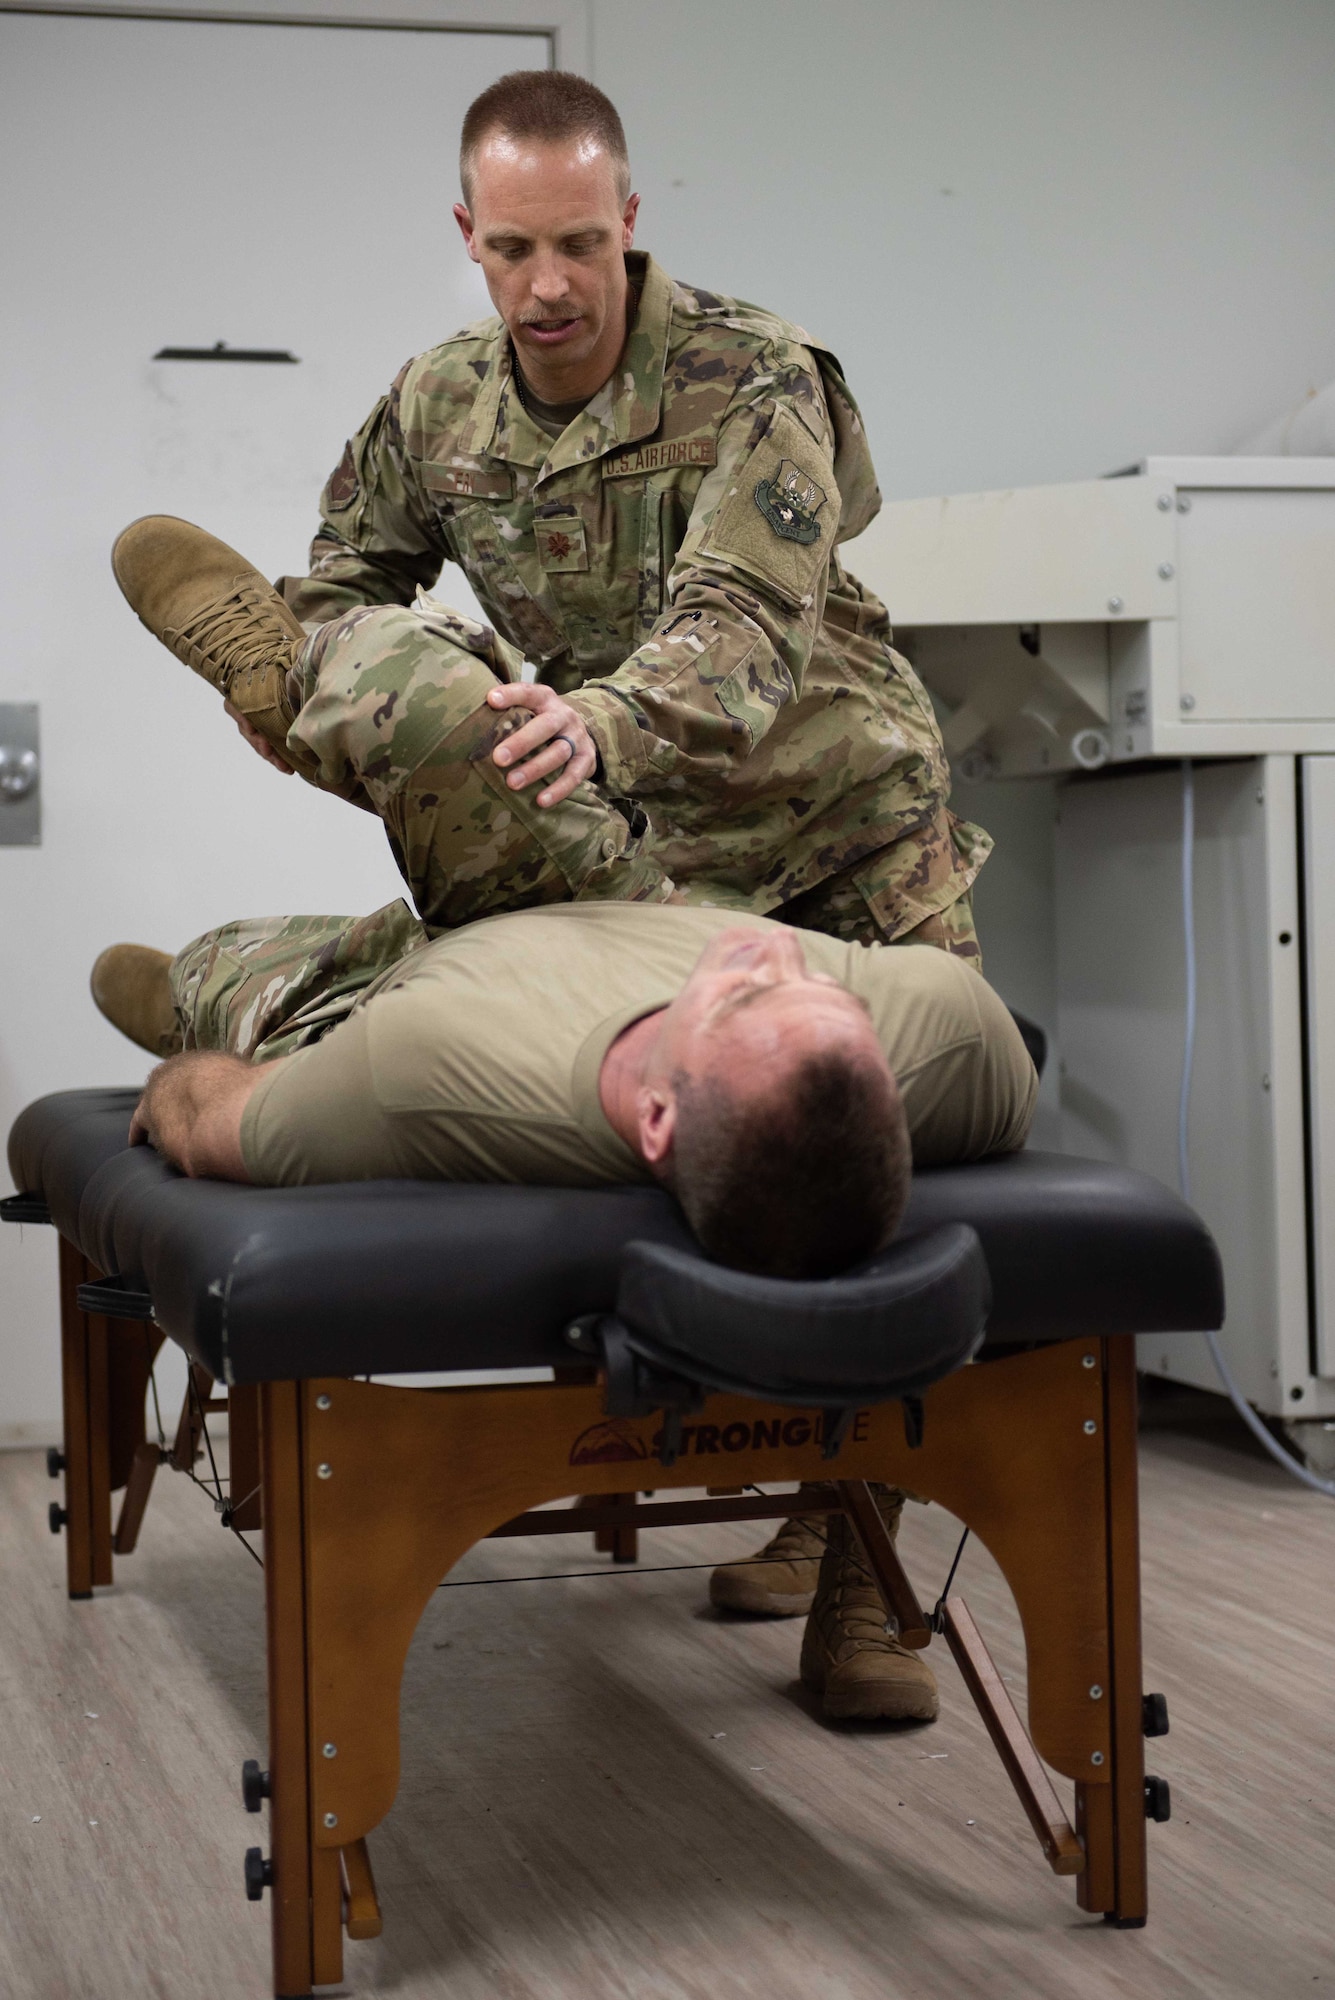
[[767, 1105]]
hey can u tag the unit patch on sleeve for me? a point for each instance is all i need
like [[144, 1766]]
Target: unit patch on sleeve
[[344, 485], [778, 518], [790, 503]]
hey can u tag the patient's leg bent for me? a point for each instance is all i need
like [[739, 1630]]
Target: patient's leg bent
[[267, 986], [391, 704]]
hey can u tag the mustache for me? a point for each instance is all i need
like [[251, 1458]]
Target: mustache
[[548, 318]]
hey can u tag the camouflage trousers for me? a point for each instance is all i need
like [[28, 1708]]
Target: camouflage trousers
[[268, 985], [264, 987], [391, 713]]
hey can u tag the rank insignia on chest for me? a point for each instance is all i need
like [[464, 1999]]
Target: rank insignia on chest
[[790, 503], [561, 544]]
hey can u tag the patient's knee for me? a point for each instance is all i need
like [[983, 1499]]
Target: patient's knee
[[384, 688]]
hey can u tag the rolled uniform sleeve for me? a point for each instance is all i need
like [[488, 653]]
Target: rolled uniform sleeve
[[379, 536], [744, 598], [314, 1116]]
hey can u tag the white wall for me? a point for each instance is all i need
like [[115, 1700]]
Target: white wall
[[167, 195], [1045, 237]]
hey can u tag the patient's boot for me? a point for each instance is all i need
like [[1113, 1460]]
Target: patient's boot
[[779, 1581], [848, 1656], [216, 612], [131, 989]]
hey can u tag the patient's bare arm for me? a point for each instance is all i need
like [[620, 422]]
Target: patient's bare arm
[[191, 1112]]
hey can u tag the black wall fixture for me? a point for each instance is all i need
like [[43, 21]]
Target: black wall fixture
[[220, 351]]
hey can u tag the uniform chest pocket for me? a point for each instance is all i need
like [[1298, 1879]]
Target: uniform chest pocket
[[482, 539], [562, 544]]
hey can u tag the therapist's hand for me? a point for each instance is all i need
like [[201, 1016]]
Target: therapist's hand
[[533, 753], [259, 744]]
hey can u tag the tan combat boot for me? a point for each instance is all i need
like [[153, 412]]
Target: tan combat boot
[[130, 988], [848, 1656], [786, 1584], [215, 611]]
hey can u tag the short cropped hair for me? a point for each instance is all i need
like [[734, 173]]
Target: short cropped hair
[[804, 1183], [545, 104]]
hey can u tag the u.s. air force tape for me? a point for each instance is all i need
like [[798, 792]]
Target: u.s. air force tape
[[662, 457]]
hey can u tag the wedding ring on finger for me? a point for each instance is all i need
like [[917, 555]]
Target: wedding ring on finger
[[558, 738]]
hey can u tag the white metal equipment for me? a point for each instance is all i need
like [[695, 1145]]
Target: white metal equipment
[[1184, 609]]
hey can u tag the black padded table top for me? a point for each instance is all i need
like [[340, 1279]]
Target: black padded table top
[[392, 1276]]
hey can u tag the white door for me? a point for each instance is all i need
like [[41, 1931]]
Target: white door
[[180, 183]]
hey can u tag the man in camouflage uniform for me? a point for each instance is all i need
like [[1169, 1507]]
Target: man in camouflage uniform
[[661, 546], [646, 485], [669, 564]]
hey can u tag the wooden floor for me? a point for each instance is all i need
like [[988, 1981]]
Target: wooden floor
[[610, 1792]]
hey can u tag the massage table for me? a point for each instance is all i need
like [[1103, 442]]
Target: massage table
[[986, 1360]]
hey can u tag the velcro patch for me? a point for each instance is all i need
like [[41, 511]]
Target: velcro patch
[[662, 457], [561, 543], [790, 503], [344, 485], [470, 481], [780, 512]]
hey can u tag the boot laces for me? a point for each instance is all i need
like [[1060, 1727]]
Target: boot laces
[[793, 1542], [238, 631], [860, 1614]]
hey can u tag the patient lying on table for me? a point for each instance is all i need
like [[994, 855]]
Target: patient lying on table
[[780, 1083]]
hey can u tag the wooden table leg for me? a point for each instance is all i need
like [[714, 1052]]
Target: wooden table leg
[[138, 1486], [1124, 1693], [897, 1593], [1110, 1818], [363, 1918], [1023, 1765], [83, 1356], [285, 1601], [74, 1398], [190, 1427], [622, 1541], [132, 1348], [243, 1455]]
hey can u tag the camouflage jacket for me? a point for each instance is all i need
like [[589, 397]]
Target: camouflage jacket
[[669, 563]]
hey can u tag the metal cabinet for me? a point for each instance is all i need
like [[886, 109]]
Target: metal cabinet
[[1255, 1154], [1182, 609], [1102, 632]]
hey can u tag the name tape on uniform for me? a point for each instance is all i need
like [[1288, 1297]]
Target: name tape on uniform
[[480, 482]]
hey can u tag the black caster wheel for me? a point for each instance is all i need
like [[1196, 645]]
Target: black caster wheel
[[1158, 1800], [259, 1874], [1154, 1714], [254, 1786]]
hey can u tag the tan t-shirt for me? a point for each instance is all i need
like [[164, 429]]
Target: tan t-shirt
[[477, 1059]]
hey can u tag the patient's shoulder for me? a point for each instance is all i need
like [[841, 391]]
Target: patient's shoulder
[[929, 990], [964, 1073]]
